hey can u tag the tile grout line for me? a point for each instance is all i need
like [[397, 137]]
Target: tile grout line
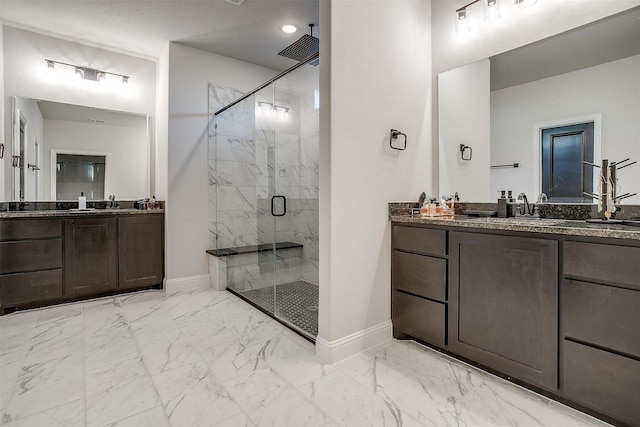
[[144, 363]]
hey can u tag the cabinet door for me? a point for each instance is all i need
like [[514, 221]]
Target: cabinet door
[[504, 304], [141, 250], [90, 263]]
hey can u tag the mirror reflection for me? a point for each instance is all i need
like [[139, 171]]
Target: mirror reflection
[[63, 150], [555, 106]]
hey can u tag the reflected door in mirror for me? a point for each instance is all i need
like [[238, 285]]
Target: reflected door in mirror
[[565, 176]]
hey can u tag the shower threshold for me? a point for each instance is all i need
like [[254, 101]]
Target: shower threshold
[[297, 305]]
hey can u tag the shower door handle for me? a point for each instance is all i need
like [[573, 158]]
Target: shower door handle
[[284, 206]]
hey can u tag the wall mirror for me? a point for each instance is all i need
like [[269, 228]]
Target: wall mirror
[[587, 75], [60, 150]]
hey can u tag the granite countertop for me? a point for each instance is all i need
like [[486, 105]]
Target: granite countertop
[[530, 225], [67, 213]]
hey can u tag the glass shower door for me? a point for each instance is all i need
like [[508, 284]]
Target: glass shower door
[[295, 118], [264, 197]]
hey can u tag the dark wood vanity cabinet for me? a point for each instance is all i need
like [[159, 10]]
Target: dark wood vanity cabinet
[[559, 313], [600, 328], [140, 251], [504, 304], [56, 259], [419, 278], [31, 259], [90, 255]]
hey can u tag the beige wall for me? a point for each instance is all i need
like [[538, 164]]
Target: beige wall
[[371, 81], [190, 72]]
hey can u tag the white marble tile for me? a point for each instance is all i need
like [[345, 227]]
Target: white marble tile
[[227, 357], [117, 391], [370, 371], [107, 337], [269, 401], [192, 398], [122, 372], [168, 351], [59, 312], [120, 400], [154, 417], [291, 360], [351, 404], [15, 334], [57, 337], [240, 420], [45, 383], [69, 415]]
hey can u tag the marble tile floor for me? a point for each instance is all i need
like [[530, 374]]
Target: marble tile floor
[[206, 358]]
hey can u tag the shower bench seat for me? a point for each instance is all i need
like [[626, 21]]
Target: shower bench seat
[[265, 247], [229, 265]]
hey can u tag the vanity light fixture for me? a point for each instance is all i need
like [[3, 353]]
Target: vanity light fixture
[[491, 12], [86, 73]]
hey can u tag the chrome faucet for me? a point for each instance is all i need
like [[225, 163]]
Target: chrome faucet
[[524, 208], [112, 201]]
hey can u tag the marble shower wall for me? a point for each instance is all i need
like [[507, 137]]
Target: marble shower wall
[[255, 154]]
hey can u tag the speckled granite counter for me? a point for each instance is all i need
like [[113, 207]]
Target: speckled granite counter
[[67, 213], [530, 225]]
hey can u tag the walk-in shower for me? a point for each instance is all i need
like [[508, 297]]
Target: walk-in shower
[[263, 194]]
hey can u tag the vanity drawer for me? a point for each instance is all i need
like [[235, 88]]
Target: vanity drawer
[[420, 240], [602, 263], [601, 315], [603, 381], [22, 288], [25, 229], [421, 275], [33, 255], [420, 318]]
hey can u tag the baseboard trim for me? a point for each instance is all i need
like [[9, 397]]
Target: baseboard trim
[[335, 351], [186, 283]]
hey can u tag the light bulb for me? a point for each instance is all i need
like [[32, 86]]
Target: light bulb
[[491, 10], [463, 25]]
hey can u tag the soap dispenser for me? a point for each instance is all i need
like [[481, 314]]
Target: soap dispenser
[[82, 202], [502, 205]]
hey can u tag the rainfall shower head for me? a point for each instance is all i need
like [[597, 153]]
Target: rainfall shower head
[[302, 48]]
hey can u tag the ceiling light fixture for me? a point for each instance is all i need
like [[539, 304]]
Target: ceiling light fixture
[[289, 29], [86, 73]]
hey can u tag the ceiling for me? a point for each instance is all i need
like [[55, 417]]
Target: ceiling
[[77, 113], [249, 32], [602, 41]]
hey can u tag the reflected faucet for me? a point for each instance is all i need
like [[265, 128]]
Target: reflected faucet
[[525, 208], [542, 198]]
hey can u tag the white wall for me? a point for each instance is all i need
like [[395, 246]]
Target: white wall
[[190, 72], [516, 28], [371, 81], [127, 148], [464, 119], [611, 90], [25, 74]]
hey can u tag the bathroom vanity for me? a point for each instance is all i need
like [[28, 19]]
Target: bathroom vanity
[[57, 256], [553, 305]]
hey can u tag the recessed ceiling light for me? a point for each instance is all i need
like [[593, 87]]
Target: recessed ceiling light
[[290, 29]]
